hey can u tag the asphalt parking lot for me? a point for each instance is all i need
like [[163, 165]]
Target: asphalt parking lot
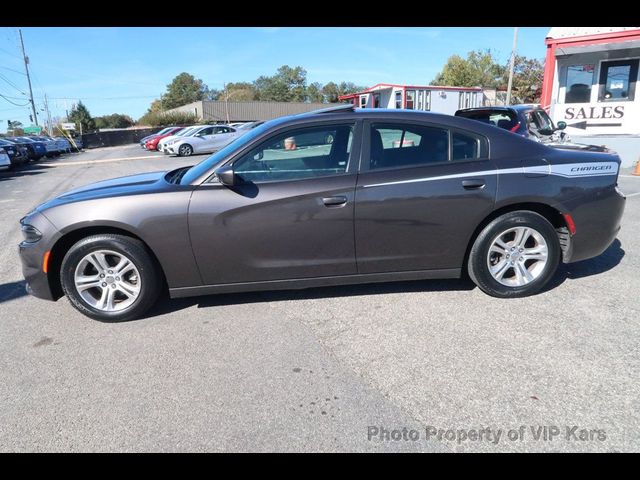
[[327, 369]]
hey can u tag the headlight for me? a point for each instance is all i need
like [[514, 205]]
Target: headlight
[[30, 233]]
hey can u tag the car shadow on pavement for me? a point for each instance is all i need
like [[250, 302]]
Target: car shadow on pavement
[[609, 259], [23, 171], [11, 291], [604, 262], [167, 305]]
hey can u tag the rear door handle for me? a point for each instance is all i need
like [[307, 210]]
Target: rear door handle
[[473, 184], [334, 201]]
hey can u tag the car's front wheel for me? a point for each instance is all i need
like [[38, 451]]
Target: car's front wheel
[[185, 150], [110, 277], [515, 255]]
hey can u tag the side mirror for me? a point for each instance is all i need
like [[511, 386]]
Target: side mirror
[[561, 125], [226, 175], [259, 155]]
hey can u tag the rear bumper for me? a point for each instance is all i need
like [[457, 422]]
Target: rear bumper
[[598, 222]]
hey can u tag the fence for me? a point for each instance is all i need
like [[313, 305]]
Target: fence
[[116, 137]]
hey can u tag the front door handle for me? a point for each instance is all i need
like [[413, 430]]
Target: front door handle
[[473, 184], [334, 201]]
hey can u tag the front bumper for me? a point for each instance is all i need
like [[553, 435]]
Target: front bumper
[[32, 256]]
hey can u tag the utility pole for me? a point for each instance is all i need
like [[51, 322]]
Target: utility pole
[[26, 67], [513, 60], [46, 107], [226, 100]]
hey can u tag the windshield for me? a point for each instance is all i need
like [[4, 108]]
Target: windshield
[[184, 131], [541, 120], [164, 130], [201, 168]]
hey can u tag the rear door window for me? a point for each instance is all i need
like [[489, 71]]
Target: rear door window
[[402, 145]]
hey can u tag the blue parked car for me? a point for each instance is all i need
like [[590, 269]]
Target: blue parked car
[[36, 150], [18, 154]]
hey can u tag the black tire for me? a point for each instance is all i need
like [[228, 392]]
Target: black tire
[[185, 150], [135, 250], [478, 267]]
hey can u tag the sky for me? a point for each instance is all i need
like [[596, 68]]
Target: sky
[[122, 69]]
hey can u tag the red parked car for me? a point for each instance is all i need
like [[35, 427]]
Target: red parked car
[[152, 143]]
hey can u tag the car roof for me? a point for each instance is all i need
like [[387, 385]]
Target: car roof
[[379, 114], [502, 108]]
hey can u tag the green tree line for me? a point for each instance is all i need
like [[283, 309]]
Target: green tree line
[[289, 84], [481, 69]]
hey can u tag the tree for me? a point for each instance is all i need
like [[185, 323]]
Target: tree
[[156, 106], [184, 89], [287, 85], [239, 92], [527, 79], [82, 118], [115, 120], [332, 90], [479, 69], [314, 93]]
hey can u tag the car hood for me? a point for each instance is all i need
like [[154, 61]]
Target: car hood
[[170, 137], [130, 185]]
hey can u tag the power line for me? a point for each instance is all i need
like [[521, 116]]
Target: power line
[[9, 53], [12, 70], [12, 103], [100, 98], [2, 77]]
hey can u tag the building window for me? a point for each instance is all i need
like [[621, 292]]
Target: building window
[[464, 100], [376, 100], [363, 101], [427, 100], [411, 100], [618, 80], [579, 80], [398, 99]]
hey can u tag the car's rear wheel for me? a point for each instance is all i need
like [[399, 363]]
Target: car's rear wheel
[[515, 255], [110, 277], [185, 150]]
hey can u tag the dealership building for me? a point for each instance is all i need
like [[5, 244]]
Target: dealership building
[[427, 98], [590, 82]]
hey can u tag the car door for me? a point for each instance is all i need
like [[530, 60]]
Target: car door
[[291, 214], [421, 192], [217, 138], [200, 140]]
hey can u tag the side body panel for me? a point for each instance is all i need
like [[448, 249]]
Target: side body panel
[[419, 217], [158, 218]]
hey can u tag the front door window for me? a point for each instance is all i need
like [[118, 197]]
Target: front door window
[[298, 154]]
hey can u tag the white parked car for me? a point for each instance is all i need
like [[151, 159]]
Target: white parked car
[[162, 144], [206, 139]]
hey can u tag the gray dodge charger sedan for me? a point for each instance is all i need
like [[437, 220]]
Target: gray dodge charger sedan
[[330, 197]]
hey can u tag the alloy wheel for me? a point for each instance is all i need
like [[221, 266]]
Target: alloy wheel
[[517, 256], [107, 280]]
